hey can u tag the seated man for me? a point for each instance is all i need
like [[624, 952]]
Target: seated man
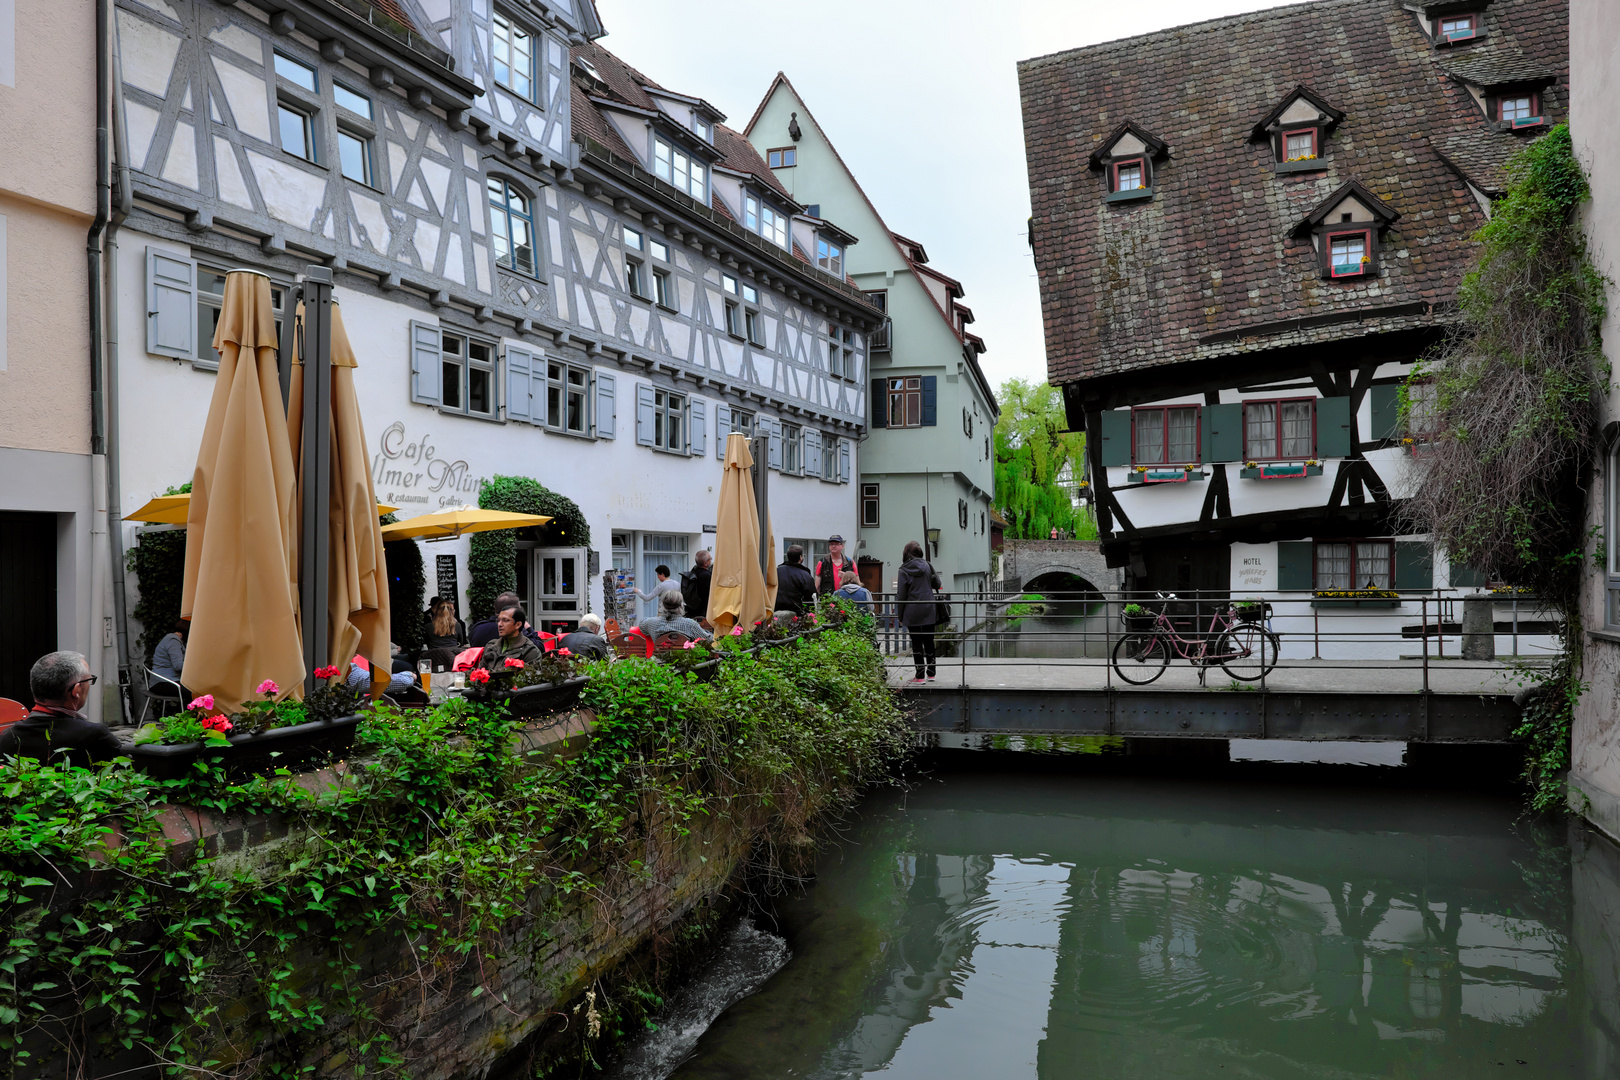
[[671, 620], [169, 660], [795, 586], [485, 630], [586, 642], [57, 731], [511, 643], [856, 593]]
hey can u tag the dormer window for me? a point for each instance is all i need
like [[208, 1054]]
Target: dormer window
[[829, 256], [1456, 27], [1519, 109], [1128, 159], [1130, 175], [1297, 130], [1299, 145], [1345, 230], [760, 217], [1349, 254], [686, 173], [701, 128]]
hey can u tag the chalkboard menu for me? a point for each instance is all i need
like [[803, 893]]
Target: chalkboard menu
[[448, 588]]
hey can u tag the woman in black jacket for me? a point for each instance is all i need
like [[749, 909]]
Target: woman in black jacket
[[914, 590]]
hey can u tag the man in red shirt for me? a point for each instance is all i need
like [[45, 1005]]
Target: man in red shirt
[[57, 731], [832, 571]]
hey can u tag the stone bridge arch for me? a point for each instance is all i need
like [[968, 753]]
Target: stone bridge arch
[[1025, 560]]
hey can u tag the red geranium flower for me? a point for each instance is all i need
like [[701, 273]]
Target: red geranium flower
[[328, 672], [514, 662], [478, 675], [216, 723]]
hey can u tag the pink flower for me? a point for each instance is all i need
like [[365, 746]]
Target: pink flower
[[478, 675], [329, 672], [269, 688], [205, 702], [736, 631], [513, 662], [689, 644], [216, 723]]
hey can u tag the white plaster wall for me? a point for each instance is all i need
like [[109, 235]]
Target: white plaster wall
[[618, 484]]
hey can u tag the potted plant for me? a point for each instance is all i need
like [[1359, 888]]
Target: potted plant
[[1138, 619], [1251, 611], [549, 686]]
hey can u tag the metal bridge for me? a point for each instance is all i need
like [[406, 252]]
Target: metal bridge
[[1387, 674]]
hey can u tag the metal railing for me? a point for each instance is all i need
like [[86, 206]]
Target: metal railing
[[1385, 640]]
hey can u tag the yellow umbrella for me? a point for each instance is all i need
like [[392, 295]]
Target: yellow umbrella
[[459, 522], [240, 590], [739, 593], [357, 615], [172, 510]]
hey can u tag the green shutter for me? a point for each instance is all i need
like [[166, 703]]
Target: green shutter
[[930, 400], [1333, 427], [1414, 564], [1223, 433], [1294, 569], [1466, 577], [1116, 437], [1386, 410]]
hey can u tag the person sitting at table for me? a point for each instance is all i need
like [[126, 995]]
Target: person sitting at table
[[445, 633], [671, 619], [511, 644], [399, 682], [57, 731], [587, 642], [169, 660], [485, 631]]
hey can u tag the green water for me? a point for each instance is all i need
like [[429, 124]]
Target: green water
[[1105, 926]]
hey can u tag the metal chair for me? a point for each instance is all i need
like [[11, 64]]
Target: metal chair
[[11, 712], [151, 678]]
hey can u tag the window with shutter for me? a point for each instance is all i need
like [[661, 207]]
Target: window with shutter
[[646, 414], [1386, 410], [1295, 565], [518, 389], [930, 400], [1115, 437], [1222, 434], [171, 300], [880, 404], [1414, 564], [426, 371], [812, 452], [1333, 427], [604, 405], [700, 435], [773, 428], [843, 461], [722, 427]]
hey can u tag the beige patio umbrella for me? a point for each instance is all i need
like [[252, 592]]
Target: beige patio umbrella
[[240, 590], [447, 524], [173, 510], [357, 615], [739, 594]]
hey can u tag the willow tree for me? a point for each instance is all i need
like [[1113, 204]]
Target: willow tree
[[1503, 486], [1033, 449]]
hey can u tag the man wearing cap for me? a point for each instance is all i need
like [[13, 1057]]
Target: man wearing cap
[[832, 571]]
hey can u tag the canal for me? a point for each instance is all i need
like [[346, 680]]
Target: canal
[[1263, 921]]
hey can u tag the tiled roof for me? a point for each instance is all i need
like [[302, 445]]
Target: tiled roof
[[1498, 68], [739, 155], [588, 123], [1182, 276]]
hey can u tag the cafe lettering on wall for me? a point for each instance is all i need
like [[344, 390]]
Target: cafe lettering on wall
[[407, 472]]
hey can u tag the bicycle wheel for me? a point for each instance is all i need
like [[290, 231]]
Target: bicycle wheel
[[1247, 652], [1141, 658]]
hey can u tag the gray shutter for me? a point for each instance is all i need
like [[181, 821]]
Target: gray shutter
[[644, 414], [1333, 427], [1295, 572], [1222, 435], [812, 452], [1116, 437], [1414, 564], [843, 461], [604, 405], [518, 365], [695, 426], [880, 404], [722, 428], [1386, 410], [774, 429], [930, 400], [171, 305], [427, 371]]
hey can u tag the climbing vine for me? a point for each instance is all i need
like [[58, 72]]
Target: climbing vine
[[407, 591], [1504, 485], [492, 559], [440, 841]]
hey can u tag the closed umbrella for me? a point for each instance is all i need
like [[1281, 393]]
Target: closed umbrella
[[357, 616], [240, 590], [739, 593]]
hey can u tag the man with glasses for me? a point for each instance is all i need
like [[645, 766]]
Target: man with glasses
[[57, 731]]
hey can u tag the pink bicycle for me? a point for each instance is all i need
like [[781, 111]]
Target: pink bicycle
[[1239, 643]]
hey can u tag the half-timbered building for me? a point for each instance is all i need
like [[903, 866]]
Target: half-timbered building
[[550, 266], [1247, 231]]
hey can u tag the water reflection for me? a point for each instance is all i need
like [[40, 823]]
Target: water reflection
[[1109, 927], [1066, 629]]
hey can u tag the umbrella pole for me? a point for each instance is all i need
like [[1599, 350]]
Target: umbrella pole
[[287, 343], [316, 468], [760, 447]]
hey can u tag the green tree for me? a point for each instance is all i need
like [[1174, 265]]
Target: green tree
[[1033, 448]]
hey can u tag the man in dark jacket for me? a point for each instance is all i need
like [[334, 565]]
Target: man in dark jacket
[[795, 587], [586, 642], [834, 570], [57, 731], [695, 586], [485, 631]]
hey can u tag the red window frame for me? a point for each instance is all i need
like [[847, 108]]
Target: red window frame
[[1315, 150], [1275, 453], [1473, 27], [1356, 577], [1113, 174], [1363, 267], [1521, 121], [1198, 437]]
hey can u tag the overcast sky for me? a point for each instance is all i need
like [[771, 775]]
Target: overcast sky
[[921, 99]]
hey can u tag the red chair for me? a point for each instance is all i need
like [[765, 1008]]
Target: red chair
[[11, 712]]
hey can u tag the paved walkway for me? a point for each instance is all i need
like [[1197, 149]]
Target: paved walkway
[[1309, 676]]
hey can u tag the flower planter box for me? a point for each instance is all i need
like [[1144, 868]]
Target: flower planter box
[[1165, 476], [297, 747], [1280, 472], [1329, 602], [545, 698]]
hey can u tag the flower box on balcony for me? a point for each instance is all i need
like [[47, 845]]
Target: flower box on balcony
[[1356, 598], [1168, 474], [1280, 471]]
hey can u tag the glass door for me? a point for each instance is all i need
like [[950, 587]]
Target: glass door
[[559, 588], [658, 550]]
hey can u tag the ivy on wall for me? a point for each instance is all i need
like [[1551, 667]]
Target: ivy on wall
[[492, 560], [407, 591], [158, 561]]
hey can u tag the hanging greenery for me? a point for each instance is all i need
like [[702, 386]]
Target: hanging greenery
[[158, 561], [492, 560], [407, 591], [1033, 449], [1504, 485]]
